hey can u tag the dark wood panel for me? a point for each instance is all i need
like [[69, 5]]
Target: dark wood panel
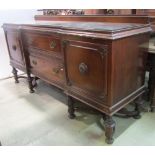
[[51, 69], [14, 47], [87, 67], [129, 62], [43, 41]]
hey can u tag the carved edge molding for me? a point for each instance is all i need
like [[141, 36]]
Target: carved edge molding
[[91, 34]]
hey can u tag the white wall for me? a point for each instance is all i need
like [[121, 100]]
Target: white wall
[[11, 16]]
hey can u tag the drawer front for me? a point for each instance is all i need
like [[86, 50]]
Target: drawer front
[[87, 68], [15, 52], [47, 43], [50, 69]]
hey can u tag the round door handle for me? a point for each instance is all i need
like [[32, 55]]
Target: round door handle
[[83, 68], [14, 47]]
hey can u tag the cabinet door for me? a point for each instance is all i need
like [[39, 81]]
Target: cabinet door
[[86, 68], [15, 52]]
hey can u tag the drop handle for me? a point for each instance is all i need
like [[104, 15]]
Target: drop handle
[[83, 68], [52, 44], [34, 62], [57, 70], [14, 47]]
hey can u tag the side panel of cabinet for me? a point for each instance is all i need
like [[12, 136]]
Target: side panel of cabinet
[[86, 68], [14, 48], [129, 66]]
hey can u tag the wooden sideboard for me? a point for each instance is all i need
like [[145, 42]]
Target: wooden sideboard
[[100, 64]]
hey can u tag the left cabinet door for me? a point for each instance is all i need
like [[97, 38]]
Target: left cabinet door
[[14, 47]]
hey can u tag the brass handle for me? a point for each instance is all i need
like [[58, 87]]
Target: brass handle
[[14, 47], [83, 68], [34, 62], [57, 70], [52, 44]]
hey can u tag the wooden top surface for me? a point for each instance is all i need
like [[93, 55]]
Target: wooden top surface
[[92, 26], [104, 30]]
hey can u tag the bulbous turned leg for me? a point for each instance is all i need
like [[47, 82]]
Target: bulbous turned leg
[[151, 82], [138, 104], [29, 79], [71, 109], [14, 71], [109, 125]]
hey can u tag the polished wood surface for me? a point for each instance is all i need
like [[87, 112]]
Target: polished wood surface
[[86, 65], [44, 42], [129, 64], [50, 69], [14, 48], [102, 67]]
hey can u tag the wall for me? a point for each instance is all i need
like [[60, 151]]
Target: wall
[[11, 16]]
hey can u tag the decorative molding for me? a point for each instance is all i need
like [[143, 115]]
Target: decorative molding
[[53, 12], [91, 34]]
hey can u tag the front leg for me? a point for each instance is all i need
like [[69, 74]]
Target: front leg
[[138, 105], [151, 84], [14, 71], [71, 109], [29, 79], [109, 125]]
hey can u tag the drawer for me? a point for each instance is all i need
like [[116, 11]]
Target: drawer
[[50, 69], [47, 43], [87, 68]]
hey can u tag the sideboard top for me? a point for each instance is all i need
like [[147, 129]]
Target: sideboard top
[[92, 26], [104, 30]]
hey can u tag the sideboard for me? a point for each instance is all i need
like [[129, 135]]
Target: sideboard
[[99, 64]]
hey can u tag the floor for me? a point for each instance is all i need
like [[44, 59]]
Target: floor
[[41, 119], [5, 68]]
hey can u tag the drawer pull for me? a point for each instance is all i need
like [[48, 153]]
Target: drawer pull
[[14, 47], [52, 44], [34, 62], [57, 70], [83, 68]]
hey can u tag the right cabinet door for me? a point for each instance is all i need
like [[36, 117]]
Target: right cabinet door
[[86, 68]]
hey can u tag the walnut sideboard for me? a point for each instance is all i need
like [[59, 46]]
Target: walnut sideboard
[[99, 64]]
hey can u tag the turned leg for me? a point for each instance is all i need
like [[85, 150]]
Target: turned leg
[[109, 125], [152, 105], [151, 83], [151, 87], [14, 71], [34, 81], [70, 107], [29, 79], [138, 104]]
